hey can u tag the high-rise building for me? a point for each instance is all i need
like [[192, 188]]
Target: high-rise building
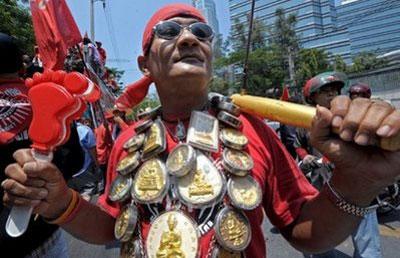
[[207, 7], [347, 29]]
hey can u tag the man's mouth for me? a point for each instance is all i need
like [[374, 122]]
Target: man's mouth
[[190, 59]]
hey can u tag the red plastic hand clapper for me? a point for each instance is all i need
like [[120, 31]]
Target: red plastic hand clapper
[[57, 99]]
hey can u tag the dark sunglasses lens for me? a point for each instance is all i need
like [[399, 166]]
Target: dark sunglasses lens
[[201, 30], [168, 30]]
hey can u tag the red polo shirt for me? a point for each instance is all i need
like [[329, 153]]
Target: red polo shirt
[[284, 187]]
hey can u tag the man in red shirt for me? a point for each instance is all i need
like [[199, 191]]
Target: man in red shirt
[[177, 57]]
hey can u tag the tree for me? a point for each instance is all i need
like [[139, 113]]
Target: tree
[[339, 64], [310, 62], [238, 37], [218, 50], [283, 38], [149, 102], [367, 61], [15, 20]]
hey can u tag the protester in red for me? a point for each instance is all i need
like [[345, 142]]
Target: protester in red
[[41, 239], [177, 57], [105, 139], [102, 52]]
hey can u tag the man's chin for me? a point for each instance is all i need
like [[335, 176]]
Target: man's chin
[[188, 70]]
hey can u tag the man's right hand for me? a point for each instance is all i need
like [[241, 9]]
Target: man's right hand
[[36, 183], [308, 159]]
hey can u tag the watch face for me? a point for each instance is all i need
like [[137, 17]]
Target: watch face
[[232, 230], [128, 164], [172, 234], [125, 224], [151, 182], [181, 160], [134, 143], [120, 187], [203, 186], [233, 138], [245, 192], [237, 162]]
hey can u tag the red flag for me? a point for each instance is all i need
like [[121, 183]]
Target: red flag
[[285, 94], [55, 31]]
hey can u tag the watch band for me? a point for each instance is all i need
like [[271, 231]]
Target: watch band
[[344, 205]]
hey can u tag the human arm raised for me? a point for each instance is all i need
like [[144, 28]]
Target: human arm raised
[[361, 169]]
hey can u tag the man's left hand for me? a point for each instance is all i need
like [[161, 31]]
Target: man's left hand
[[360, 124]]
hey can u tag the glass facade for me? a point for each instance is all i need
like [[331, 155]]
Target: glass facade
[[347, 29], [207, 7]]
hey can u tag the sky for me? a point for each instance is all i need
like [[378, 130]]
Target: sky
[[128, 19]]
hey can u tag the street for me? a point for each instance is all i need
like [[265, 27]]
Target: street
[[277, 247]]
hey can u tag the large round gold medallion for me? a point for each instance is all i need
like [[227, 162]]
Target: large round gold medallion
[[172, 234], [245, 192], [202, 187]]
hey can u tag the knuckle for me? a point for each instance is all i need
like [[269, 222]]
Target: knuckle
[[368, 125], [361, 101], [10, 169], [351, 123], [393, 119]]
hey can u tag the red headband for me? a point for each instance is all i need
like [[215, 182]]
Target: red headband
[[137, 91]]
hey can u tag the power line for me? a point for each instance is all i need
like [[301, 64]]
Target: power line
[[110, 28]]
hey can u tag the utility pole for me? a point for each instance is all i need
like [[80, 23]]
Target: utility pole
[[92, 36], [92, 20]]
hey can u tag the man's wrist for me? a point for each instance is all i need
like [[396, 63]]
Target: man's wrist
[[355, 191], [62, 207]]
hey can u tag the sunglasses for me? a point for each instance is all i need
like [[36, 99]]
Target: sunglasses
[[170, 30]]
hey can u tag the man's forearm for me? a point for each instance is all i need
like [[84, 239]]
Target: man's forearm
[[85, 225], [322, 225]]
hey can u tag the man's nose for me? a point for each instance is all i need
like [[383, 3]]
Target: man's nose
[[187, 39]]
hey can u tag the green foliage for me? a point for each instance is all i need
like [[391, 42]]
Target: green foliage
[[282, 33], [149, 102], [220, 85], [218, 46], [310, 62], [366, 61], [339, 64], [15, 20]]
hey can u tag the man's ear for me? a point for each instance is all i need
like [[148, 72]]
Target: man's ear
[[143, 65]]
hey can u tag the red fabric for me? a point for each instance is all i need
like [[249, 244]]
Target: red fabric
[[301, 152], [104, 144], [284, 187], [55, 31], [103, 55], [285, 94], [15, 115], [137, 91], [134, 93]]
